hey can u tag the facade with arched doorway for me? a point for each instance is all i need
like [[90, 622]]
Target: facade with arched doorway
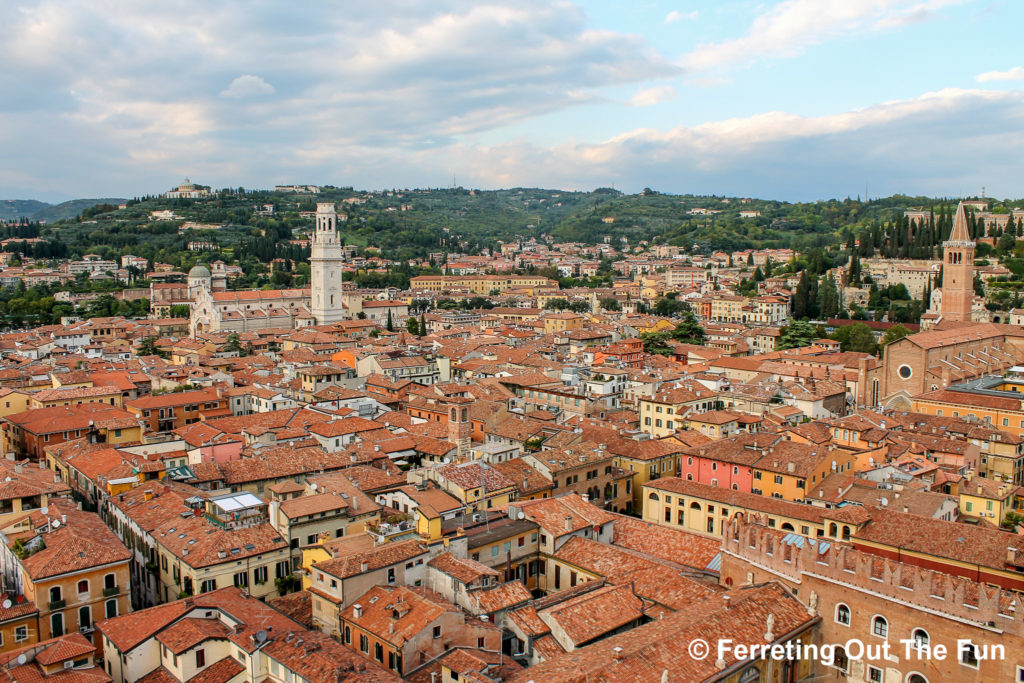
[[707, 510]]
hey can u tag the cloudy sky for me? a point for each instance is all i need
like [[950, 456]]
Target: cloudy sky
[[798, 99]]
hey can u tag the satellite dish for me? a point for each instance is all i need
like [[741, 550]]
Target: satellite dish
[[313, 486], [44, 510], [7, 604], [55, 523], [22, 659], [521, 515], [261, 636]]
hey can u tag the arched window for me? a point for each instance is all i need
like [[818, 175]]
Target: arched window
[[915, 677], [833, 529], [750, 675], [83, 586], [695, 506], [654, 496], [110, 608], [842, 614], [85, 617], [880, 627], [786, 526], [846, 533], [969, 655], [921, 638], [841, 661]]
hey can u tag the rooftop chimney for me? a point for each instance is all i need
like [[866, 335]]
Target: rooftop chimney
[[568, 522], [357, 611], [364, 566], [617, 653]]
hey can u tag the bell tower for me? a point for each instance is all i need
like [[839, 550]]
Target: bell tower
[[325, 262], [459, 425], [958, 270]]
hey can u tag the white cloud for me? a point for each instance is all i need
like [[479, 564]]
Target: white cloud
[[675, 15], [381, 73], [652, 96], [396, 94], [1014, 74], [247, 85], [786, 29], [784, 155]]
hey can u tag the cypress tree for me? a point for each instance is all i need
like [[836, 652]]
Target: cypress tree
[[800, 297], [829, 297], [813, 309]]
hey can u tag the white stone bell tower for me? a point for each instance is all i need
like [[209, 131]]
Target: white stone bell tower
[[325, 261]]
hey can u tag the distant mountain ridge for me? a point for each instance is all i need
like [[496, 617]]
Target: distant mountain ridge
[[42, 211]]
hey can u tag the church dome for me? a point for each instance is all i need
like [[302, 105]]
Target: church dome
[[199, 271]]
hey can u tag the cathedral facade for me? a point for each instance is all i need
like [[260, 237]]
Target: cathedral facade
[[256, 309]]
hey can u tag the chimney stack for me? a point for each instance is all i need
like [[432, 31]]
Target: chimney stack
[[568, 522]]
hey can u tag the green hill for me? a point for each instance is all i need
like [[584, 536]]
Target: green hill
[[70, 209], [20, 208], [49, 213]]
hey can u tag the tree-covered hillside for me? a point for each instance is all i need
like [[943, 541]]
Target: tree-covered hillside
[[411, 224], [11, 209]]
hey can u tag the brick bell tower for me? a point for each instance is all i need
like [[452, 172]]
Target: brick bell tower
[[958, 271], [459, 426]]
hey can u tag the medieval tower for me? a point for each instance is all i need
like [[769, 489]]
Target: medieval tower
[[325, 262], [958, 271]]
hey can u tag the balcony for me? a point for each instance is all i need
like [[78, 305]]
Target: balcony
[[113, 590], [57, 604]]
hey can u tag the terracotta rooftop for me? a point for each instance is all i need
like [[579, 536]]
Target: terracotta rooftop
[[462, 569], [647, 652], [81, 542]]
